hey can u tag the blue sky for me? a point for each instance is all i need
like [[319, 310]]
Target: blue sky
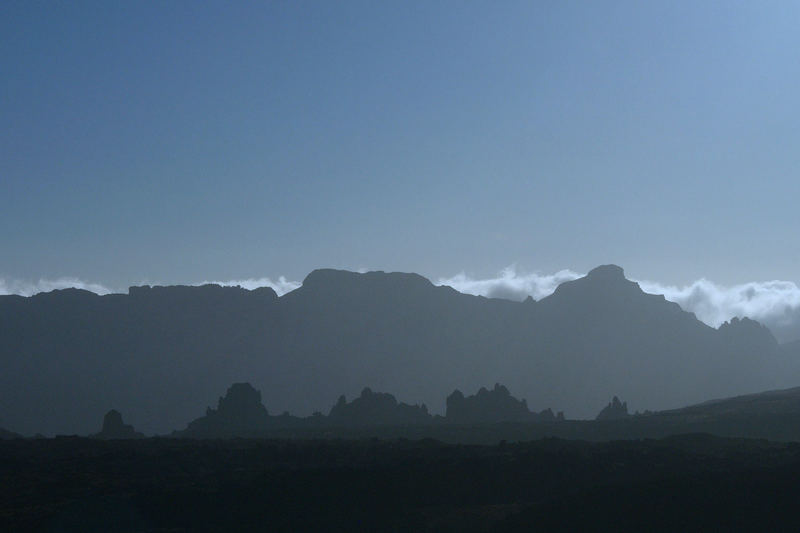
[[180, 142]]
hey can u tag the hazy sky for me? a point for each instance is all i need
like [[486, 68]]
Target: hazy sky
[[175, 142]]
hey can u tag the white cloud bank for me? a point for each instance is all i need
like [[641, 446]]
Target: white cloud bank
[[773, 303]]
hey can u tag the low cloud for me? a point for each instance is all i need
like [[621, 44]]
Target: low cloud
[[775, 304], [510, 284], [29, 288], [281, 286]]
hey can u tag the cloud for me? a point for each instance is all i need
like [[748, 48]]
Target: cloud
[[775, 304], [29, 288], [509, 284], [281, 286]]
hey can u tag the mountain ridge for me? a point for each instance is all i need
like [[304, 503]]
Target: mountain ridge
[[157, 352]]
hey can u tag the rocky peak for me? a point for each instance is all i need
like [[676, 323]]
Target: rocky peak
[[607, 272], [240, 397], [486, 406], [614, 410], [239, 412], [377, 408], [115, 428]]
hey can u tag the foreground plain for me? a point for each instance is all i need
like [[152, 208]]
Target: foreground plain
[[684, 483]]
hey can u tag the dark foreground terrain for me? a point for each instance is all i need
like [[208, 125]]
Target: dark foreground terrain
[[686, 483]]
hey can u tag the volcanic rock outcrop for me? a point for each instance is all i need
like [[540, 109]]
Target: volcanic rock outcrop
[[377, 409], [492, 406], [239, 412], [614, 410], [115, 428]]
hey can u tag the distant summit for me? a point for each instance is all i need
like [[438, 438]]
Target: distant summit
[[600, 282], [115, 428], [607, 273], [345, 285], [614, 410], [377, 409]]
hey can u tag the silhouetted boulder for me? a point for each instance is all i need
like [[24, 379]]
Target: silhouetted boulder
[[492, 406], [115, 428], [613, 410], [377, 409], [239, 413]]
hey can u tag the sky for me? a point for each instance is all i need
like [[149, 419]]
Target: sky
[[182, 142]]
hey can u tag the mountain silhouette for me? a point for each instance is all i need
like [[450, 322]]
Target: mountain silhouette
[[159, 352]]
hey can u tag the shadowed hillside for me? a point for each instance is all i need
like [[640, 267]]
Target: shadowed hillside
[[159, 352]]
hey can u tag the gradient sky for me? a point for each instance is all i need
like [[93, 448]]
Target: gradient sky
[[178, 142]]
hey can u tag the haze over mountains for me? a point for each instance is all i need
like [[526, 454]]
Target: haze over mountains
[[159, 354]]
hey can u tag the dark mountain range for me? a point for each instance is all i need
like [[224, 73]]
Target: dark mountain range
[[158, 353]]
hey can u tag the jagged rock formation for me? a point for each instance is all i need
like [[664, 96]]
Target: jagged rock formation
[[744, 330], [239, 413], [492, 406], [377, 409], [159, 349], [115, 428], [614, 410]]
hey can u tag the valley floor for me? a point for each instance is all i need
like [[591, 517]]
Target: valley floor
[[692, 482]]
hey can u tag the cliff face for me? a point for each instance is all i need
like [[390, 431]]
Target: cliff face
[[158, 353]]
